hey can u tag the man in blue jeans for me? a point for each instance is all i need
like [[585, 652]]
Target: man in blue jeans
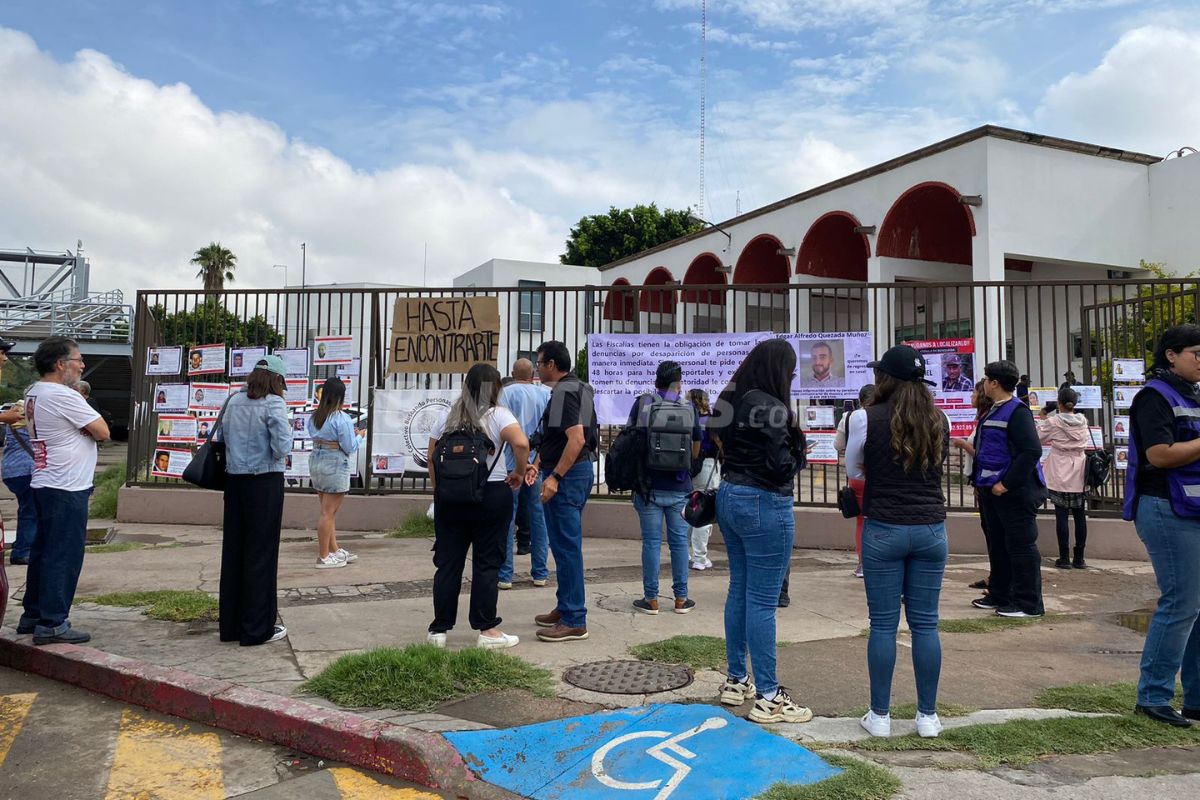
[[567, 444], [527, 401], [63, 431], [666, 491]]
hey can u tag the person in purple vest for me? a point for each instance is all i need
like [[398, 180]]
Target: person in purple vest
[[1162, 499], [1011, 488]]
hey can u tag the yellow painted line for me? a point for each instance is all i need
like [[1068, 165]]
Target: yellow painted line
[[353, 785], [14, 708], [160, 761]]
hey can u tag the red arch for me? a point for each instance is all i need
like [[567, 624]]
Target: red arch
[[928, 223], [760, 262], [618, 306], [704, 271], [659, 301], [831, 248]]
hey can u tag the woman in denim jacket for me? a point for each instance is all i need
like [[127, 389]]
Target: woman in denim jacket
[[335, 440], [257, 440]]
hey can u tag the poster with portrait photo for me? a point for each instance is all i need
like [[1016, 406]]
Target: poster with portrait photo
[[333, 350], [176, 428], [300, 425], [207, 396], [295, 464], [831, 365], [170, 462], [319, 385], [163, 360], [817, 417], [950, 367], [1128, 370], [170, 397], [296, 392], [1123, 395], [243, 359], [1121, 428], [295, 361], [1122, 461], [388, 464], [1040, 395], [204, 426], [206, 359]]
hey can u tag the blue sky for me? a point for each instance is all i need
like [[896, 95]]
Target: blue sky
[[509, 119]]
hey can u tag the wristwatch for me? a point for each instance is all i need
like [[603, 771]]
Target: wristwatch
[[556, 477]]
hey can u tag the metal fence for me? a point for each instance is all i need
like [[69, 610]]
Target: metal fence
[[1047, 328]]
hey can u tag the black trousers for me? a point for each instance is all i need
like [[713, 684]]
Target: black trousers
[[1063, 529], [483, 528], [250, 557], [1011, 523]]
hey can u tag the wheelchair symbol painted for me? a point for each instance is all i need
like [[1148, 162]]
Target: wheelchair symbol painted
[[659, 752]]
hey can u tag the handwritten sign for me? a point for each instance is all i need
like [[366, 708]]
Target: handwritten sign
[[443, 334]]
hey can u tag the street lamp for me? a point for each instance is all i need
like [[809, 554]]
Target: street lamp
[[693, 219], [284, 267]]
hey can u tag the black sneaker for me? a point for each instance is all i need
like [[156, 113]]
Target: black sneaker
[[646, 606], [25, 630], [1013, 612], [784, 601], [17, 561], [1063, 563], [683, 605], [985, 602], [69, 636]]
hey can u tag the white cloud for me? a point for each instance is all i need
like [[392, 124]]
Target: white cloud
[[1141, 96], [145, 174]]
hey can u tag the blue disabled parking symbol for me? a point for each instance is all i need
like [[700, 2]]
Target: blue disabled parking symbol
[[698, 752]]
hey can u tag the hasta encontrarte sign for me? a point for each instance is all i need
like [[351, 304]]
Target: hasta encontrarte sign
[[444, 334]]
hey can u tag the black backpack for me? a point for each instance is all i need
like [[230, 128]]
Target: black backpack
[[461, 468], [669, 426], [1099, 464], [624, 465]]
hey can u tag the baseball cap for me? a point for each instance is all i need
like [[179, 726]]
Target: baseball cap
[[952, 360], [272, 364], [6, 345], [902, 362]]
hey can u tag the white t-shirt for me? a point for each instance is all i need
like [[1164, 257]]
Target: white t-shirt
[[494, 420], [57, 415]]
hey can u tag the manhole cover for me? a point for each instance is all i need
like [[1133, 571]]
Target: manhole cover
[[628, 677]]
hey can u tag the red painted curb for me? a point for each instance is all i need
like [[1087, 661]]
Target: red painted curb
[[407, 753]]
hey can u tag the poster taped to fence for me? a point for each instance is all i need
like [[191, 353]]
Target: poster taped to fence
[[295, 361], [300, 426], [1121, 428], [171, 397], [351, 369], [170, 463], [204, 424], [820, 447], [621, 366], [318, 389], [243, 359], [176, 428], [163, 360], [950, 366], [1128, 370], [295, 464], [816, 417], [1122, 462], [333, 350], [206, 359], [1040, 395], [1097, 437], [1090, 396], [402, 420], [444, 334], [1123, 395], [296, 392], [388, 464], [207, 396]]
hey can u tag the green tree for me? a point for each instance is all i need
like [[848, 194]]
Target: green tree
[[581, 364], [212, 323], [216, 266], [600, 239]]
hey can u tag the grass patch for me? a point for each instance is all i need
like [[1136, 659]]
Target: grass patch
[[991, 624], [104, 497], [909, 711], [1022, 741], [860, 780], [420, 676], [415, 526], [698, 652], [114, 547], [170, 605], [1109, 698]]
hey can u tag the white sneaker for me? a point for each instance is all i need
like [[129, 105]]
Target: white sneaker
[[503, 584], [928, 725], [876, 725], [734, 693], [436, 639], [780, 709], [280, 633], [330, 561], [707, 563], [346, 555], [698, 565], [539, 581], [498, 642]]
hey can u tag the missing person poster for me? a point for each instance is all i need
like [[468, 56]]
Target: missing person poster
[[1122, 460], [402, 420], [207, 396], [170, 463], [950, 366], [388, 464], [830, 366], [176, 428], [319, 386], [243, 359], [820, 447], [206, 359], [296, 394], [816, 417], [1096, 434], [1123, 395], [204, 426], [300, 425], [1040, 395], [171, 397], [350, 370], [295, 360], [443, 334], [1121, 428], [1089, 396], [1128, 370], [163, 360], [333, 350], [295, 464]]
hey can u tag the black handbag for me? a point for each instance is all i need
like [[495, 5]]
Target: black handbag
[[847, 503], [207, 467], [700, 508]]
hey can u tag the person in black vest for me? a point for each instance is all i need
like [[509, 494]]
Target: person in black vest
[[1011, 488], [899, 444], [1161, 498]]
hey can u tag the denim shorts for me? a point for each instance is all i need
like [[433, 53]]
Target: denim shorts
[[329, 471]]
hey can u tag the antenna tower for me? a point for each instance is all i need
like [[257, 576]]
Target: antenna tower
[[703, 89]]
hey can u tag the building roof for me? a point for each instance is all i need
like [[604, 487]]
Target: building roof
[[994, 131]]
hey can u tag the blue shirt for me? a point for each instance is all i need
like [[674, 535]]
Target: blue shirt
[[16, 460], [337, 428], [527, 402], [256, 433]]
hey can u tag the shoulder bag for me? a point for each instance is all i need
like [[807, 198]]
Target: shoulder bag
[[207, 467]]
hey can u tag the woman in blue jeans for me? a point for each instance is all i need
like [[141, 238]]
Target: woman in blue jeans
[[899, 445], [1161, 498], [763, 449]]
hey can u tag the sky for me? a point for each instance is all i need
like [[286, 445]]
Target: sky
[[406, 142]]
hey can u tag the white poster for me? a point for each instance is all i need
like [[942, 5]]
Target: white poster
[[176, 428], [831, 366], [300, 425], [295, 361], [295, 464], [319, 386], [207, 396], [243, 359], [171, 397], [1128, 370], [170, 463], [1123, 395], [296, 394], [1121, 428], [402, 420], [1097, 438], [1122, 458], [820, 447], [206, 359], [204, 426], [350, 370], [1040, 395], [163, 360], [818, 417], [1089, 396], [333, 349], [388, 464]]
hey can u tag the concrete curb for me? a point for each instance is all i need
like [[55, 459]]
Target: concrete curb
[[406, 753]]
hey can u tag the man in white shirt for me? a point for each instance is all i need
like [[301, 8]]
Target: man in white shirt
[[63, 431]]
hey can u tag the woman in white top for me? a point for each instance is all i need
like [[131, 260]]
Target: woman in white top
[[482, 526], [854, 475]]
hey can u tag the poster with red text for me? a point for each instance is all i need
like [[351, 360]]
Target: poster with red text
[[950, 365]]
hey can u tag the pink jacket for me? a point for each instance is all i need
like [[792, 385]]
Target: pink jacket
[[1068, 438]]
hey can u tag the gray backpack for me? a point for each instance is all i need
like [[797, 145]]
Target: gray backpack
[[669, 426]]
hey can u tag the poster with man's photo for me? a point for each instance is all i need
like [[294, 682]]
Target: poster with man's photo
[[207, 396], [333, 350], [171, 397], [204, 426], [300, 425], [817, 417], [830, 365], [950, 366], [177, 428], [295, 464], [206, 359], [163, 360], [243, 359], [388, 464], [170, 463]]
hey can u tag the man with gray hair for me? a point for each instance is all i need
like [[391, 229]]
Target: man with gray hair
[[527, 401]]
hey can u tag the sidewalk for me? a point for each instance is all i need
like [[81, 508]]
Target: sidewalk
[[384, 599]]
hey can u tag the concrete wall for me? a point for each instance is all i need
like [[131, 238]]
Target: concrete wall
[[1175, 209], [815, 528]]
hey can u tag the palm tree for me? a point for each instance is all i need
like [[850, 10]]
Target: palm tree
[[216, 266]]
